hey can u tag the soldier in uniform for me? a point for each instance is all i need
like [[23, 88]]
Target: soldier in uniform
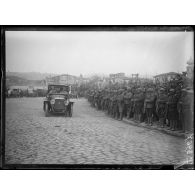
[[103, 100], [161, 106], [93, 98], [114, 105], [99, 99], [128, 103], [120, 104], [171, 109], [138, 104], [107, 98], [111, 101], [96, 99], [185, 110], [149, 105]]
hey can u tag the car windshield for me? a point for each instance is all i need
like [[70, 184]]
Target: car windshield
[[58, 89]]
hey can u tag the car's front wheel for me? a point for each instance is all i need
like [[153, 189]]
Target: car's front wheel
[[46, 110]]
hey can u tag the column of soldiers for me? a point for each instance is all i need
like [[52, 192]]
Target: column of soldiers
[[166, 104]]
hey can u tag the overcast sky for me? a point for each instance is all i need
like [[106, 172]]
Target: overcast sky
[[146, 53]]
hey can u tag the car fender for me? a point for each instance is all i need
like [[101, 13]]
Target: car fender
[[45, 101]]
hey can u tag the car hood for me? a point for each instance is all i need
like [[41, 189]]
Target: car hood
[[58, 98]]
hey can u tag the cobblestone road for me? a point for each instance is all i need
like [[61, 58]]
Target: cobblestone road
[[89, 137]]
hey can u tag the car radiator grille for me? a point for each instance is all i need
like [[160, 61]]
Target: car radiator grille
[[59, 105]]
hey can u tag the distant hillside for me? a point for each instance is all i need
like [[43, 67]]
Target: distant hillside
[[18, 81], [30, 75]]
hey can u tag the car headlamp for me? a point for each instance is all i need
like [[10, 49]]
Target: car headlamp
[[66, 102], [53, 101]]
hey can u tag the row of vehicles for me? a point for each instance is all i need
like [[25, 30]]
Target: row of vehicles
[[32, 92], [25, 92]]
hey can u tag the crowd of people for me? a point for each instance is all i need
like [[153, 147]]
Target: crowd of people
[[169, 104]]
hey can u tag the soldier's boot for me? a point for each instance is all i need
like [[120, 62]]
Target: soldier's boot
[[121, 116], [175, 125], [139, 118], [112, 113], [128, 115], [151, 121], [171, 125], [147, 121], [116, 115], [160, 122], [109, 112], [163, 122], [135, 117]]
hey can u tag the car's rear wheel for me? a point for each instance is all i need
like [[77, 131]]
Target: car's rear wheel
[[46, 110]]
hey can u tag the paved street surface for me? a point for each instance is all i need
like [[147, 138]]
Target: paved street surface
[[89, 137]]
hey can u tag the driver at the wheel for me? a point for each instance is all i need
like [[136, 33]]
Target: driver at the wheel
[[52, 90]]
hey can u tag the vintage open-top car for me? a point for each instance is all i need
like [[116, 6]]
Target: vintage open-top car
[[57, 100]]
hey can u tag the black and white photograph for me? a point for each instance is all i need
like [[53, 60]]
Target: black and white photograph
[[99, 97]]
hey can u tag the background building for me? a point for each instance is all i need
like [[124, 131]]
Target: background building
[[64, 79], [165, 77], [190, 69]]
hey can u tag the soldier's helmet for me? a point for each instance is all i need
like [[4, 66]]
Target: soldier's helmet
[[150, 90], [171, 91], [139, 90], [161, 89]]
